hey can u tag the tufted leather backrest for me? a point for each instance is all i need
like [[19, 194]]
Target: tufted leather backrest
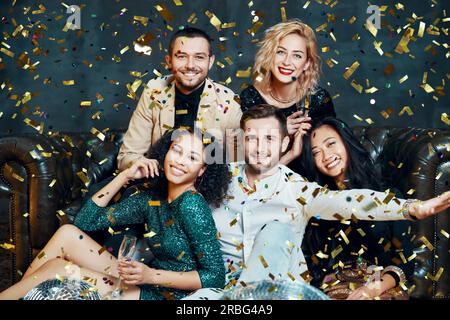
[[64, 165]]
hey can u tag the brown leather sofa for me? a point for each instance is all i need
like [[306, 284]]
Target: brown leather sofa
[[43, 179]]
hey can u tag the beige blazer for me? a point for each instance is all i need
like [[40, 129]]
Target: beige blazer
[[155, 114]]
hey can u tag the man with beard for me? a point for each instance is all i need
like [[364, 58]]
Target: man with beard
[[187, 98]]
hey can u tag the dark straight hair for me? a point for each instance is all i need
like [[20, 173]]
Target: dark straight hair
[[361, 171], [189, 32], [263, 111]]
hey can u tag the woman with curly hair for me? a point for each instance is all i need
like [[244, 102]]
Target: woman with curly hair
[[286, 73], [175, 209]]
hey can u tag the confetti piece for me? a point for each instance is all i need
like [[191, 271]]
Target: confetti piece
[[402, 46], [445, 119], [97, 133], [427, 243], [347, 74], [445, 233], [322, 27], [149, 234], [154, 203], [41, 255], [85, 103], [403, 79], [213, 20], [371, 28], [61, 213], [83, 178], [142, 20], [52, 183], [7, 52], [263, 261], [7, 246], [164, 12], [336, 251], [180, 256], [244, 73], [357, 86], [68, 82], [421, 29], [124, 49]]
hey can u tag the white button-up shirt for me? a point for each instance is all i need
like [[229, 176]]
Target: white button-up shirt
[[289, 198]]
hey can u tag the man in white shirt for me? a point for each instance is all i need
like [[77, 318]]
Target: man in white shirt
[[262, 222]]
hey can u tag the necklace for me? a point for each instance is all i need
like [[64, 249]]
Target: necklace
[[280, 100]]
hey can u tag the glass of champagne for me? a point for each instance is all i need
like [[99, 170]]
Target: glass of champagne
[[126, 252]]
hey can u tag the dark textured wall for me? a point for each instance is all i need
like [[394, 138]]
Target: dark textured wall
[[108, 26]]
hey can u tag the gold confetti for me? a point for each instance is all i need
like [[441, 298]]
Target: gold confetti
[[421, 29], [97, 133], [406, 109], [352, 20], [402, 46], [371, 28], [164, 12], [111, 230], [445, 233], [180, 256], [154, 203], [7, 52], [68, 82], [83, 178], [427, 243], [213, 19], [283, 14], [61, 213], [403, 79], [343, 235], [41, 255], [124, 49], [183, 111], [52, 183], [149, 234], [255, 28], [388, 198], [228, 25], [336, 251], [263, 261], [7, 246], [348, 73], [85, 103], [142, 20], [357, 86], [445, 119], [322, 27], [244, 73]]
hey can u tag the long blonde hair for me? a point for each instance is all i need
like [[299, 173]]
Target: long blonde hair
[[308, 80]]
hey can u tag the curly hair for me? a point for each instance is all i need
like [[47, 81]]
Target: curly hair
[[307, 81], [212, 185]]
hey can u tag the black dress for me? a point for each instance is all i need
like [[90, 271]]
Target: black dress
[[320, 106]]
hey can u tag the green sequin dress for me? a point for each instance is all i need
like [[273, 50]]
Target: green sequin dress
[[182, 236]]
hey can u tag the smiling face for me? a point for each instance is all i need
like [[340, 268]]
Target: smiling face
[[290, 59], [184, 160], [329, 152], [263, 144], [190, 62]]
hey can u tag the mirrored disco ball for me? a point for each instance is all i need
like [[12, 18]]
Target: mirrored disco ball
[[66, 289], [275, 290]]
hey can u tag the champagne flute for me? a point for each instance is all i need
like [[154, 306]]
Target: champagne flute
[[126, 252]]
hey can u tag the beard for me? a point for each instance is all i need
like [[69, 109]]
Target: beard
[[188, 84]]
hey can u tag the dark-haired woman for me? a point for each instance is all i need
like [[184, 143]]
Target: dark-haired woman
[[182, 233], [333, 156]]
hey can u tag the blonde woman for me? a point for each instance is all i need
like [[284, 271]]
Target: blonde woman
[[287, 69]]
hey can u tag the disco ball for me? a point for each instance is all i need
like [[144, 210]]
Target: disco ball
[[275, 290], [55, 289]]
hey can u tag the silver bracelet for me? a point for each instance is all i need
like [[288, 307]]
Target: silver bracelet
[[399, 272], [405, 210]]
